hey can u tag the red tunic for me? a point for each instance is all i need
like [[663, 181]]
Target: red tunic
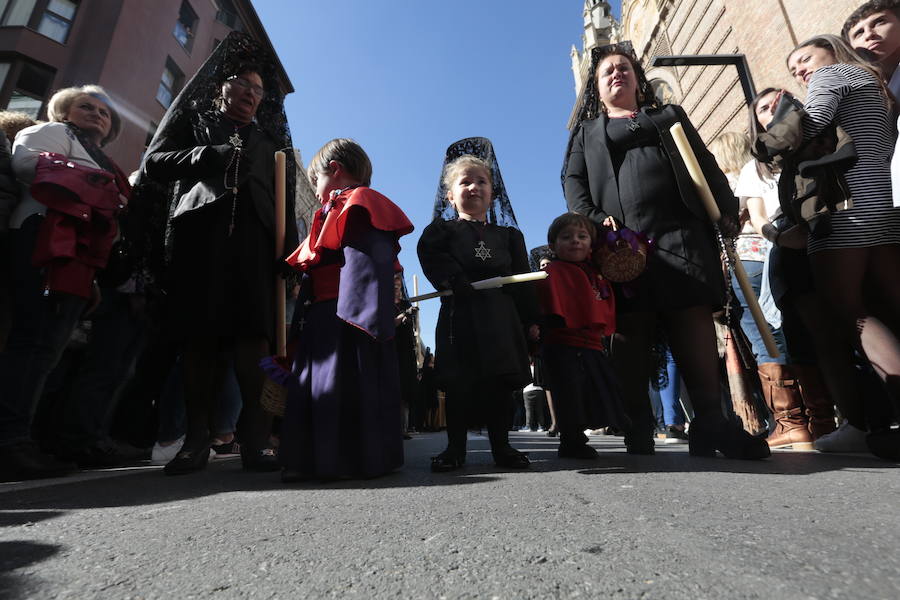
[[578, 294], [330, 222]]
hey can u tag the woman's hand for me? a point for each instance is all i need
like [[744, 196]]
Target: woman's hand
[[795, 237], [610, 222]]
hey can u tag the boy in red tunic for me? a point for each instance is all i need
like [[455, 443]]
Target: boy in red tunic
[[579, 311]]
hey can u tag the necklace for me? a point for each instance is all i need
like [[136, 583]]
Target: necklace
[[633, 124], [233, 167], [481, 249]]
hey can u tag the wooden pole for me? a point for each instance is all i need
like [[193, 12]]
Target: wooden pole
[[280, 292], [709, 202]]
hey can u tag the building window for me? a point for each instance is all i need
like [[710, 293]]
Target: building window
[[170, 83], [186, 26], [30, 90], [16, 12], [57, 19], [227, 15]]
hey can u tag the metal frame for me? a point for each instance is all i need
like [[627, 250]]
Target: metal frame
[[739, 61]]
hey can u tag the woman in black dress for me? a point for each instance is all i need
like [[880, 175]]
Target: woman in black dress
[[221, 237], [622, 167]]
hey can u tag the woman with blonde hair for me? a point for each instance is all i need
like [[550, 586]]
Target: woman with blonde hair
[[49, 299]]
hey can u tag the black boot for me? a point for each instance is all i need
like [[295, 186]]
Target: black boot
[[710, 433]]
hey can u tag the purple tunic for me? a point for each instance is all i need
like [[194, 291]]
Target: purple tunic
[[342, 418]]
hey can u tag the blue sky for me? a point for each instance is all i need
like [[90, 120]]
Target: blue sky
[[406, 78]]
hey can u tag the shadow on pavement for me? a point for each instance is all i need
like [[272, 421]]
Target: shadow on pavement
[[150, 486], [15, 555]]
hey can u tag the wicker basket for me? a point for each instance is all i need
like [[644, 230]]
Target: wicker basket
[[273, 398], [622, 255]]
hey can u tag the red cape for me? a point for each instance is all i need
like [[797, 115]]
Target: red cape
[[568, 293], [328, 232]]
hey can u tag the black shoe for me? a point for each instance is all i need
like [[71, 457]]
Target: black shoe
[[24, 460], [552, 432], [583, 451], [188, 461], [510, 458], [640, 444], [885, 444], [448, 460], [708, 434], [675, 435], [260, 461]]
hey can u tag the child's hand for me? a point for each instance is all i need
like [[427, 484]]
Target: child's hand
[[534, 333]]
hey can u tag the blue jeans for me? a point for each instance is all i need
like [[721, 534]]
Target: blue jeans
[[115, 340], [41, 328], [171, 405], [754, 270], [670, 395]]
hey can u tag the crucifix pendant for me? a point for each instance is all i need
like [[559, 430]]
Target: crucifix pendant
[[482, 251]]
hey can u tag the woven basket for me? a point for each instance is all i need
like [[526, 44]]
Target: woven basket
[[621, 254], [622, 263], [273, 398]]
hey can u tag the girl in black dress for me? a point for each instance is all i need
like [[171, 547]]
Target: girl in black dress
[[481, 354]]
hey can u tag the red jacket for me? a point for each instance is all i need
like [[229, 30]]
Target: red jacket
[[80, 227]]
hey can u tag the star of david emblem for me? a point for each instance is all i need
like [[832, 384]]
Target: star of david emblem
[[235, 140], [482, 251]]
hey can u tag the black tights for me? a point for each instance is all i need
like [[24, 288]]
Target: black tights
[[493, 401], [203, 375], [840, 276], [692, 338]]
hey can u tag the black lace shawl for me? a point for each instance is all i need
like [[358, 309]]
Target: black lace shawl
[[501, 211], [152, 202], [590, 99]]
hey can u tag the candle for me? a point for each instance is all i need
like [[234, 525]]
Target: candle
[[487, 284], [696, 173], [712, 209], [280, 292]]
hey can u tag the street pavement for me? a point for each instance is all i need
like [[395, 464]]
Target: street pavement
[[796, 526]]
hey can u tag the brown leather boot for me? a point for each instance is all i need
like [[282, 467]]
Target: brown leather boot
[[783, 398], [819, 407]]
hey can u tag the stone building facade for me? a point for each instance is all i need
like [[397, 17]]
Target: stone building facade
[[763, 31]]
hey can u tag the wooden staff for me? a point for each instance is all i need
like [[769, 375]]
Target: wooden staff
[[712, 209], [280, 295], [486, 284]]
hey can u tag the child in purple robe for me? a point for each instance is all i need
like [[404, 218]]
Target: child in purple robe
[[342, 413]]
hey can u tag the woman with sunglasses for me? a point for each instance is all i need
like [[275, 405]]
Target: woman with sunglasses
[[219, 278]]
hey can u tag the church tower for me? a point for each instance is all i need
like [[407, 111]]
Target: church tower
[[600, 28]]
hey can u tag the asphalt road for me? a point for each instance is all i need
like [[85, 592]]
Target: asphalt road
[[796, 526]]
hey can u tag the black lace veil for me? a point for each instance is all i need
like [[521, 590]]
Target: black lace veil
[[538, 254], [152, 202], [500, 212], [591, 107]]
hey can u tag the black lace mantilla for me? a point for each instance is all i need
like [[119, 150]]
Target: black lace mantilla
[[500, 212], [152, 202], [590, 99]]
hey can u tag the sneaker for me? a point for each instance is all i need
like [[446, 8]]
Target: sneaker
[[675, 435], [162, 455], [524, 429], [845, 438], [540, 430], [225, 449]]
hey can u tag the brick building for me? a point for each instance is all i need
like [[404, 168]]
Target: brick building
[[763, 31], [141, 51]]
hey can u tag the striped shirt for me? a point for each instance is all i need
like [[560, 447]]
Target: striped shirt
[[851, 97]]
